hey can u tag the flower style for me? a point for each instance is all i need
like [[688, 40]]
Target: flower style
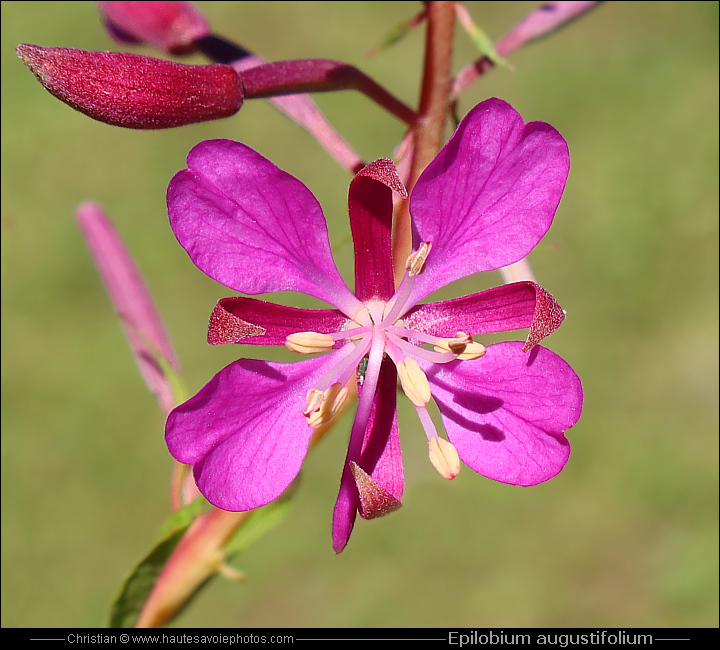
[[484, 202]]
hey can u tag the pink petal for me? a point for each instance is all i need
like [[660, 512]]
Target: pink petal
[[256, 322], [380, 459], [489, 196], [506, 412], [244, 432], [252, 227], [508, 307], [371, 208]]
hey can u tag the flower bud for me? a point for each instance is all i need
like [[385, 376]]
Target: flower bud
[[169, 26], [134, 91]]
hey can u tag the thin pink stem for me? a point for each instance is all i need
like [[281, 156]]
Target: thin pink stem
[[539, 22]]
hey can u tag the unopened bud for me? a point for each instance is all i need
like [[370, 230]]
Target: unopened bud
[[462, 346], [309, 342], [321, 407], [444, 457], [169, 26], [413, 381], [415, 263], [134, 91]]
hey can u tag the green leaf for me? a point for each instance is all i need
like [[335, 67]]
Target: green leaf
[[478, 36], [183, 517], [176, 385], [136, 588], [398, 32], [484, 44]]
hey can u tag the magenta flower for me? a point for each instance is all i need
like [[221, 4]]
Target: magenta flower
[[484, 202]]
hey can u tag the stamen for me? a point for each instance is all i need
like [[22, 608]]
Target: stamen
[[415, 263], [309, 342], [460, 342], [315, 398], [325, 406], [462, 346], [443, 454], [427, 423], [444, 457], [398, 304], [410, 334], [413, 381], [352, 333], [350, 356], [433, 357]]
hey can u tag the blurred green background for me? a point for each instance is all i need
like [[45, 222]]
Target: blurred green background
[[625, 536]]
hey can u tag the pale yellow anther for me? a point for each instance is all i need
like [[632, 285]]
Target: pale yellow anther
[[462, 346], [324, 408], [413, 381], [315, 398], [415, 263], [444, 457], [309, 342]]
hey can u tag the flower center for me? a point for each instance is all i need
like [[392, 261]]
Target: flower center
[[374, 331]]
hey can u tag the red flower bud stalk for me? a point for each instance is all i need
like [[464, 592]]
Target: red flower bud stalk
[[320, 75], [135, 91]]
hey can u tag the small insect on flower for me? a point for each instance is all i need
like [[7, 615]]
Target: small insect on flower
[[362, 369]]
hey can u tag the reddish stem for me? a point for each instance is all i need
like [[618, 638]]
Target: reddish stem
[[429, 133], [319, 75]]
